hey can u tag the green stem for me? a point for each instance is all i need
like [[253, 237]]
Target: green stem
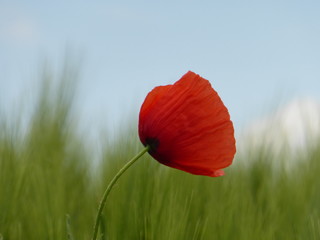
[[107, 191]]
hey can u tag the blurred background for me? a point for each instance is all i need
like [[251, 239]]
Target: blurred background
[[73, 75]]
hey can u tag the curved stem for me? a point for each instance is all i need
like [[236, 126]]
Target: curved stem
[[111, 184]]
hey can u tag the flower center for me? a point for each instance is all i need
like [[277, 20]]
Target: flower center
[[153, 143]]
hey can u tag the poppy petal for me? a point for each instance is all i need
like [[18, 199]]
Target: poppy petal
[[188, 127]]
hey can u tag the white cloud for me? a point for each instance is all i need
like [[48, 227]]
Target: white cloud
[[22, 30], [17, 27], [293, 129]]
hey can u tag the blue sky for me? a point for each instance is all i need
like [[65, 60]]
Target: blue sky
[[255, 53]]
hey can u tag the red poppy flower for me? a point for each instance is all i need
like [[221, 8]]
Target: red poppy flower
[[188, 127]]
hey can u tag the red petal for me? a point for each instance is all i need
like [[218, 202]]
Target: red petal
[[191, 124], [150, 102]]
